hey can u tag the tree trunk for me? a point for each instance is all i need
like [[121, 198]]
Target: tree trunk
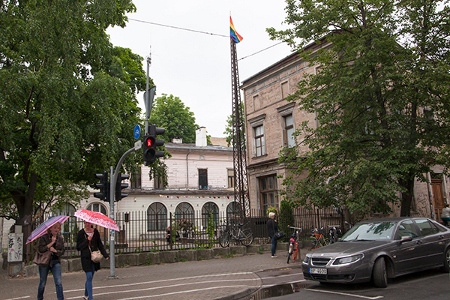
[[407, 197]]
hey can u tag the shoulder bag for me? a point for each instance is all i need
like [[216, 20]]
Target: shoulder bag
[[279, 235], [43, 259], [96, 256]]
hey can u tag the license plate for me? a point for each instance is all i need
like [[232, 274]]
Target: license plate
[[317, 271]]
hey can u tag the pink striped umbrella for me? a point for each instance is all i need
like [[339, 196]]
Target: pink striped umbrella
[[96, 218]]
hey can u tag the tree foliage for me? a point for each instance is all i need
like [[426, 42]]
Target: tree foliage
[[66, 98], [231, 126], [169, 112], [381, 96]]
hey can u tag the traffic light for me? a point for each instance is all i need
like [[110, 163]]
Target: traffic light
[[103, 185], [120, 186], [150, 144]]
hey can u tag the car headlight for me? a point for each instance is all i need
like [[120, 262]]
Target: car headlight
[[348, 259], [307, 259]]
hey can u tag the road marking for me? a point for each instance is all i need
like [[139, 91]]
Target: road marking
[[289, 282], [24, 297], [345, 294], [162, 280], [183, 292], [168, 286]]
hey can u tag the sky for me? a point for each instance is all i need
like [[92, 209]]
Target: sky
[[189, 48]]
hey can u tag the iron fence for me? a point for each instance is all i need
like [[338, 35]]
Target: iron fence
[[143, 232]]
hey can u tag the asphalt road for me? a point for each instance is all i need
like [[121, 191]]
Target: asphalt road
[[428, 285]]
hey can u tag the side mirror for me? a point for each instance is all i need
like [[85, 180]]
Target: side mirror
[[405, 238]]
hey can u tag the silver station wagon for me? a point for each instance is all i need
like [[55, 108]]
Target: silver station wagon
[[376, 250]]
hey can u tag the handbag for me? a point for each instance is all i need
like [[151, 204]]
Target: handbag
[[43, 259], [279, 234], [96, 256]]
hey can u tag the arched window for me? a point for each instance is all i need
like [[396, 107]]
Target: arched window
[[70, 228], [97, 207], [157, 217], [210, 209], [184, 216], [234, 210]]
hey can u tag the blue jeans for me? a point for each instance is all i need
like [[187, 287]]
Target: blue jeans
[[88, 285], [274, 245], [55, 267]]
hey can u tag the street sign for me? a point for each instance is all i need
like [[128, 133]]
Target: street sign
[[137, 131], [137, 145]]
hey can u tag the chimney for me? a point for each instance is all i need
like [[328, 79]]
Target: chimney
[[200, 137]]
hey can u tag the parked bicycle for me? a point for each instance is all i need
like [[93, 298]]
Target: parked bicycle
[[237, 232], [318, 238], [294, 249], [334, 232]]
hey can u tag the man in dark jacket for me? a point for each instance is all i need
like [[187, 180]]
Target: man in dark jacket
[[272, 227]]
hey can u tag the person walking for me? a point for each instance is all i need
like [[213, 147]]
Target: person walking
[[88, 240], [51, 241], [445, 214], [272, 227]]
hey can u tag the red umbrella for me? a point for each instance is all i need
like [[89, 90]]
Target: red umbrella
[[44, 226], [96, 218]]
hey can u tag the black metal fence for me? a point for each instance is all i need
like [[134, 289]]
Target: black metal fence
[[143, 232]]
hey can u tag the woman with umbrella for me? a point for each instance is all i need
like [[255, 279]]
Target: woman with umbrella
[[51, 241], [88, 240]]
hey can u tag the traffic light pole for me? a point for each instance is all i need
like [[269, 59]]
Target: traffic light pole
[[113, 179]]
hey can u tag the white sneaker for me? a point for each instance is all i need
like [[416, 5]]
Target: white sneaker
[[273, 256]]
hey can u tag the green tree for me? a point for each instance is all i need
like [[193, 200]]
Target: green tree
[[230, 128], [169, 112], [286, 217], [67, 100], [381, 98]]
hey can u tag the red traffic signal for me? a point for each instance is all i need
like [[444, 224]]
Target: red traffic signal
[[150, 144]]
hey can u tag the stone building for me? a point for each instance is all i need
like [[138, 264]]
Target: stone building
[[271, 121]]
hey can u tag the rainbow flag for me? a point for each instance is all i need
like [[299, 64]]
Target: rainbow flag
[[236, 37]]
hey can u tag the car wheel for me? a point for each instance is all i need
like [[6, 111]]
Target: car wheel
[[446, 266], [379, 274]]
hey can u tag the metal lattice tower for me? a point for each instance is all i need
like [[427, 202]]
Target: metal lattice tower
[[239, 155]]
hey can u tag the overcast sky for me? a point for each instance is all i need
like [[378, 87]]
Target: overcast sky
[[195, 64]]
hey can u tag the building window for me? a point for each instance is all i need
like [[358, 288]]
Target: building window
[[185, 217], [136, 180], [234, 211], [268, 191], [230, 178], [256, 102], [284, 90], [210, 210], [203, 179], [288, 132], [157, 217], [157, 182], [97, 207], [260, 142]]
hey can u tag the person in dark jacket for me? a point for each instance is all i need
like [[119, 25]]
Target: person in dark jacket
[[272, 227], [88, 240], [54, 242]]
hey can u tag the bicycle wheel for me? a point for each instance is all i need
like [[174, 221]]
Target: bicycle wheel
[[295, 253], [246, 237], [224, 238], [290, 250], [315, 244]]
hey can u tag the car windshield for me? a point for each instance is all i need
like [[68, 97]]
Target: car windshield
[[382, 230]]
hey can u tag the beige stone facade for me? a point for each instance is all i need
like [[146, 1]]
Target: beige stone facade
[[268, 119]]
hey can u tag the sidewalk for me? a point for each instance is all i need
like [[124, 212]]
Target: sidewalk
[[226, 278]]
